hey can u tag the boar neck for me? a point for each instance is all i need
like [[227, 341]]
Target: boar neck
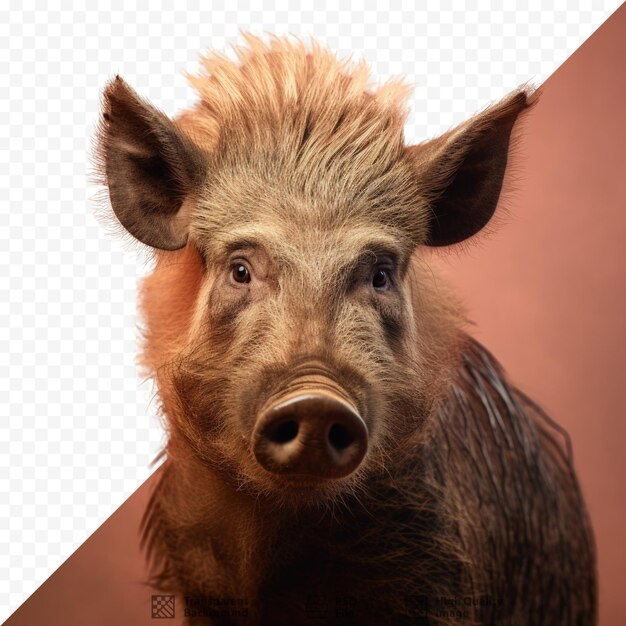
[[242, 538], [230, 544]]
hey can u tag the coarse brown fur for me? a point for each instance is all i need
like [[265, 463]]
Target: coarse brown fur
[[466, 509]]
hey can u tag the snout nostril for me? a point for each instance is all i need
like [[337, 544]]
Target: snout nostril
[[339, 437], [283, 432], [310, 434]]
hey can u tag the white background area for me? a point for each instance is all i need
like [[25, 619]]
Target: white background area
[[77, 425]]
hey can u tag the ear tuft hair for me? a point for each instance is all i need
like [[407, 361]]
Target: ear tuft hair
[[463, 170], [149, 166]]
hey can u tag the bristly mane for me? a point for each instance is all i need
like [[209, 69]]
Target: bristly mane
[[517, 466], [272, 80], [309, 124]]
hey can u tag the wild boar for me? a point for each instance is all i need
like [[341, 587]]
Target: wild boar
[[339, 450]]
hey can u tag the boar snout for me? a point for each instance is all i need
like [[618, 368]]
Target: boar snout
[[314, 434]]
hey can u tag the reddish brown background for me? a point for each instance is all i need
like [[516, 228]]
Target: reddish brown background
[[546, 293]]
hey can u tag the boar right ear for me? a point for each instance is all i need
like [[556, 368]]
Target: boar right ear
[[149, 166], [462, 171]]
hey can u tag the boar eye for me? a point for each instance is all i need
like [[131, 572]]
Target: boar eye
[[380, 279], [240, 273]]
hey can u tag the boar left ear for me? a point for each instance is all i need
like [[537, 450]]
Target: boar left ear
[[462, 171], [149, 166]]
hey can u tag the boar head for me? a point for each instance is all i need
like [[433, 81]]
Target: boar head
[[295, 332]]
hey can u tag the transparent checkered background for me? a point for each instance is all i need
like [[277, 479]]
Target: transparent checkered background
[[77, 426]]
